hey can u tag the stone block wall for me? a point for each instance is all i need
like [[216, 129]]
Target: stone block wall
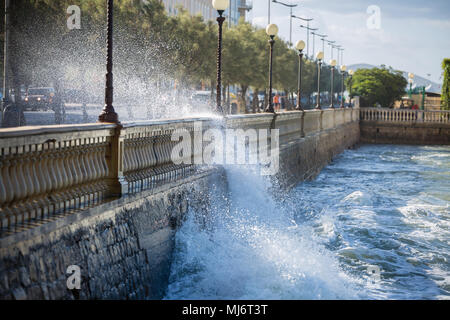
[[400, 133], [123, 247], [304, 159]]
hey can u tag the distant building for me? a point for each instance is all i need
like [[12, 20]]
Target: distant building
[[430, 101], [236, 10], [203, 7]]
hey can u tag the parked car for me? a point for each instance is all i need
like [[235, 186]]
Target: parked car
[[42, 98]]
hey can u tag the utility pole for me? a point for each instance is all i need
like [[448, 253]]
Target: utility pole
[[290, 6], [307, 28], [307, 40], [330, 43], [322, 37], [314, 41], [338, 47]]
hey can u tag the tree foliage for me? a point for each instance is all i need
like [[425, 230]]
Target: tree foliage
[[378, 85], [148, 45], [445, 97]]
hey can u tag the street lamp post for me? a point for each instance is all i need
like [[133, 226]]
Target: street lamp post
[[330, 43], [343, 69], [350, 79], [108, 114], [307, 30], [410, 81], [307, 40], [290, 6], [333, 65], [220, 6], [300, 45], [322, 37], [338, 55], [319, 58], [271, 31], [314, 43]]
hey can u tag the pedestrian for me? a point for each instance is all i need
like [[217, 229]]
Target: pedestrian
[[276, 102]]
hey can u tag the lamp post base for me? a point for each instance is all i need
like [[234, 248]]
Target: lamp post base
[[108, 116]]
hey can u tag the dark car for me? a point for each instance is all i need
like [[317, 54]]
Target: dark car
[[40, 98]]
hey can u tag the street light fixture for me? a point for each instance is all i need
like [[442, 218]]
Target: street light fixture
[[333, 65], [350, 73], [220, 6], [271, 31], [338, 48], [319, 58], [108, 114], [410, 81], [330, 43], [300, 45], [343, 69], [307, 24], [290, 6], [308, 30], [314, 43], [322, 37], [341, 52]]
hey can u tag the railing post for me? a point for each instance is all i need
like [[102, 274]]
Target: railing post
[[117, 184], [302, 123], [320, 121]]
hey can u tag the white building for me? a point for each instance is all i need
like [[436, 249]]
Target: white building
[[204, 7]]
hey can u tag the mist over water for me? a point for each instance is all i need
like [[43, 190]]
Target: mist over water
[[382, 206]]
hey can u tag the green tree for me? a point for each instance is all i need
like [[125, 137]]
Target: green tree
[[445, 97], [378, 85]]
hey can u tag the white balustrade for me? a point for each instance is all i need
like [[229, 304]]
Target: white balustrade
[[48, 170]]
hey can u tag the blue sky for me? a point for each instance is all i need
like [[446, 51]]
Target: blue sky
[[414, 35]]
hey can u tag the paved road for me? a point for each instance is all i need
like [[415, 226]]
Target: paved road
[[74, 115]]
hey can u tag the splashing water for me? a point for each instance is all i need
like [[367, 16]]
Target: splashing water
[[383, 206]]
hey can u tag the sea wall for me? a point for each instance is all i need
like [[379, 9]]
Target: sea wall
[[123, 248], [118, 222], [417, 127]]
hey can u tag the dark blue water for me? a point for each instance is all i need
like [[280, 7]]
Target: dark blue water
[[374, 224]]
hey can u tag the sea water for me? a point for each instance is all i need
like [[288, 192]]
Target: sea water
[[375, 224]]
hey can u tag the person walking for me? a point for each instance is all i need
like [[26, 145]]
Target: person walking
[[276, 102]]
